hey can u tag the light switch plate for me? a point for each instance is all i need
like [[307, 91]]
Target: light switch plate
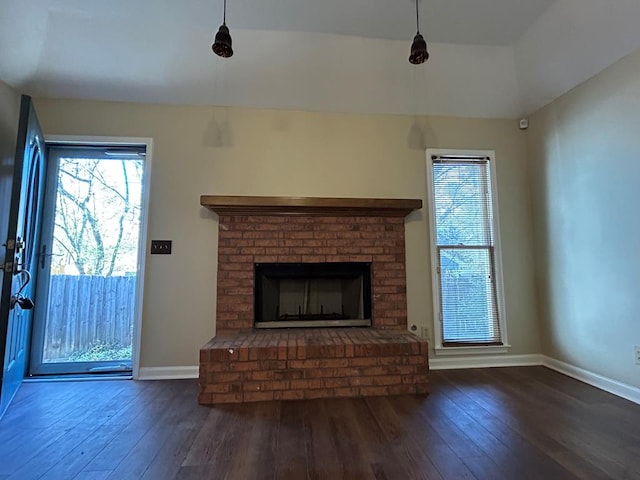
[[160, 247]]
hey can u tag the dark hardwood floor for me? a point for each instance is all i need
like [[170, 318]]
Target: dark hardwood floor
[[503, 423]]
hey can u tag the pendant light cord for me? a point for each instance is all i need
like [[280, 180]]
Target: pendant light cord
[[224, 13], [417, 18]]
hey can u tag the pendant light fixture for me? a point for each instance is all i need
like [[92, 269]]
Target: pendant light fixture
[[222, 43], [419, 52]]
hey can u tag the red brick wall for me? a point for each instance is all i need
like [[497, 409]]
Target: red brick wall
[[245, 240]]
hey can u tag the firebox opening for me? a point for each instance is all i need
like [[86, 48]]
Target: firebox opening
[[312, 295]]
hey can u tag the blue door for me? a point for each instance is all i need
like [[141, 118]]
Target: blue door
[[19, 265]]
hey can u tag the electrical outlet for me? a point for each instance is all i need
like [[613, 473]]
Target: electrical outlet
[[636, 352], [160, 247]]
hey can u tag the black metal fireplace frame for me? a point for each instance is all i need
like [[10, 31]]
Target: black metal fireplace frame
[[333, 270]]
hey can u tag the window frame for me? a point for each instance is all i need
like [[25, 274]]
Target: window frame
[[439, 348]]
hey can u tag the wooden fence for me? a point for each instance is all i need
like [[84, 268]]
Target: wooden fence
[[88, 311]]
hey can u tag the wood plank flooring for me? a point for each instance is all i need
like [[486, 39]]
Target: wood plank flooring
[[485, 424]]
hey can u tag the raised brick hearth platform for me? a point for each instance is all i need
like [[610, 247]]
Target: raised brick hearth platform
[[311, 363], [241, 364]]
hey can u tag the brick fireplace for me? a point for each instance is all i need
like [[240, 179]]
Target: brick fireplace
[[242, 364]]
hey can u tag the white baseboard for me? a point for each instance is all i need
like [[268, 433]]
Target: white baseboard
[[484, 361], [620, 389], [614, 387], [167, 373]]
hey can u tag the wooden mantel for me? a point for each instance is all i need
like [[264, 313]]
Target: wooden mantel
[[241, 205]]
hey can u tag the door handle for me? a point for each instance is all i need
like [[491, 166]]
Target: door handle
[[27, 274], [24, 302], [43, 255]]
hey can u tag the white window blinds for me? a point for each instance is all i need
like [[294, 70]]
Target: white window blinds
[[463, 213]]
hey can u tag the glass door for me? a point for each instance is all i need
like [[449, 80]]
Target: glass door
[[88, 260]]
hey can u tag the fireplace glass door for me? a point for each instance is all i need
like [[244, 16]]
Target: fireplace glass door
[[313, 295]]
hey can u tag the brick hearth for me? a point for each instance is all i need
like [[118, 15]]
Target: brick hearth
[[242, 365], [311, 363]]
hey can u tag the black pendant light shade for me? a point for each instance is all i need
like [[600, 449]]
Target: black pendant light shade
[[222, 43], [419, 52]]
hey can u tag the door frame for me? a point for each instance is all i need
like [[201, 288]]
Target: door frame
[[147, 142]]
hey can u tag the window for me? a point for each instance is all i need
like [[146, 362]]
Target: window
[[465, 255]]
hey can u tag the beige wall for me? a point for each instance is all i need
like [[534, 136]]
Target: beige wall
[[238, 151], [9, 113], [584, 157]]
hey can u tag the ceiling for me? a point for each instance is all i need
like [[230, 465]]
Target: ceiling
[[159, 50], [479, 22]]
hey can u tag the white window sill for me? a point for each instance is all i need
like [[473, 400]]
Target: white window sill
[[475, 350]]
